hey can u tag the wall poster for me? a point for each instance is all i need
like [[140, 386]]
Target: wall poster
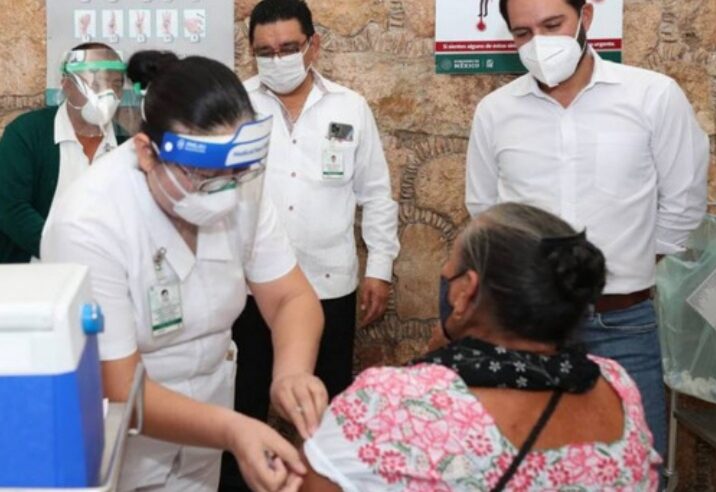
[[472, 37], [186, 27]]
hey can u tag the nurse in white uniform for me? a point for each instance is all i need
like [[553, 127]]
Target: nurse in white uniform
[[175, 230]]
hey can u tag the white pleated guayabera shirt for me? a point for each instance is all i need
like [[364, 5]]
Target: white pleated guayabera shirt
[[627, 160], [317, 213]]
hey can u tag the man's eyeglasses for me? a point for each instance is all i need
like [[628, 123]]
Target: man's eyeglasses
[[286, 49]]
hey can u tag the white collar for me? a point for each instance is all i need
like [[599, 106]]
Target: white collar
[[601, 73], [213, 242], [65, 132]]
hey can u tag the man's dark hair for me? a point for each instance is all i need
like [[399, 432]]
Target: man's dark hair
[[270, 11], [576, 5]]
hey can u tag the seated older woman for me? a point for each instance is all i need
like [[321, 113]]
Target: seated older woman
[[504, 406]]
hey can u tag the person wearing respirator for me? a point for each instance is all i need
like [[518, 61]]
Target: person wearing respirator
[[175, 230], [608, 147], [42, 152], [326, 159]]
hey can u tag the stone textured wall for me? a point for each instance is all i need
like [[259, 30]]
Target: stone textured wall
[[383, 49]]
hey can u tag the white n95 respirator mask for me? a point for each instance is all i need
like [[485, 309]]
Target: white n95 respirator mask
[[282, 75], [98, 75], [199, 208], [100, 108], [552, 59]]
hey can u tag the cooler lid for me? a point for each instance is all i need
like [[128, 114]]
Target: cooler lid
[[30, 294]]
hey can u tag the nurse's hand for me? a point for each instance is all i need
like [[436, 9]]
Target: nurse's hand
[[301, 399], [268, 462]]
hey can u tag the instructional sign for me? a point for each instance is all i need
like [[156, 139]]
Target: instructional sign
[[186, 27], [472, 37]]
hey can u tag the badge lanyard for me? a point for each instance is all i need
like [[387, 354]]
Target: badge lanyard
[[165, 303]]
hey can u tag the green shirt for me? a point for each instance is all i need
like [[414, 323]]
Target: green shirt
[[29, 167]]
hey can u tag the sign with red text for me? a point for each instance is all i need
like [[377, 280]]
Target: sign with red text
[[472, 37]]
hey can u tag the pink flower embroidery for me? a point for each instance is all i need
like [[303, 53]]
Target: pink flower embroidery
[[339, 406], [355, 410], [394, 385], [607, 471], [391, 425], [441, 401], [582, 455], [522, 480], [392, 466], [503, 461], [426, 432], [479, 443], [467, 413], [434, 377], [427, 486], [534, 463], [369, 454], [492, 476], [352, 430], [436, 440], [558, 475]]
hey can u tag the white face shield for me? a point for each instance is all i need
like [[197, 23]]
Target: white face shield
[[98, 75]]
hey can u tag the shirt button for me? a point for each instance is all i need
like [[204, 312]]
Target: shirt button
[[293, 175], [290, 208], [328, 275], [294, 141]]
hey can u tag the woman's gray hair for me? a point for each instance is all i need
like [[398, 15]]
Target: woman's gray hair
[[538, 272]]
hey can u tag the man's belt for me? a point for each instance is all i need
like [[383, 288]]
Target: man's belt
[[614, 302]]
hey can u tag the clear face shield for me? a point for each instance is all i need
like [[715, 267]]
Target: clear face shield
[[96, 85], [226, 173]]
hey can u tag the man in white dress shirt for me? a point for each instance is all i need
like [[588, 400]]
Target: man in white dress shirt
[[325, 159], [608, 147]]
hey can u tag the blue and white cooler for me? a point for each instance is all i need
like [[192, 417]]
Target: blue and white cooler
[[51, 418]]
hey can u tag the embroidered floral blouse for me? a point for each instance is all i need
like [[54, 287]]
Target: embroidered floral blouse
[[419, 429]]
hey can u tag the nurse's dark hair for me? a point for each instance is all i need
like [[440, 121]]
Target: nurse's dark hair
[[195, 93], [575, 4], [536, 273], [270, 11]]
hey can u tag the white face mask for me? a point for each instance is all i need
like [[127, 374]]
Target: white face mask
[[282, 75], [100, 108], [201, 209], [552, 59]]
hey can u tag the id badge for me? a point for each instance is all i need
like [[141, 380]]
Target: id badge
[[332, 163], [165, 308]]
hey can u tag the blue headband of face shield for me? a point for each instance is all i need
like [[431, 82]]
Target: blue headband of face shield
[[244, 149]]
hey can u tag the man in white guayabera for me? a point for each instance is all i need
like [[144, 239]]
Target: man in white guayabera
[[612, 149], [325, 160]]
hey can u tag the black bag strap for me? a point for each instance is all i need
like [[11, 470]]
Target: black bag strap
[[530, 441]]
